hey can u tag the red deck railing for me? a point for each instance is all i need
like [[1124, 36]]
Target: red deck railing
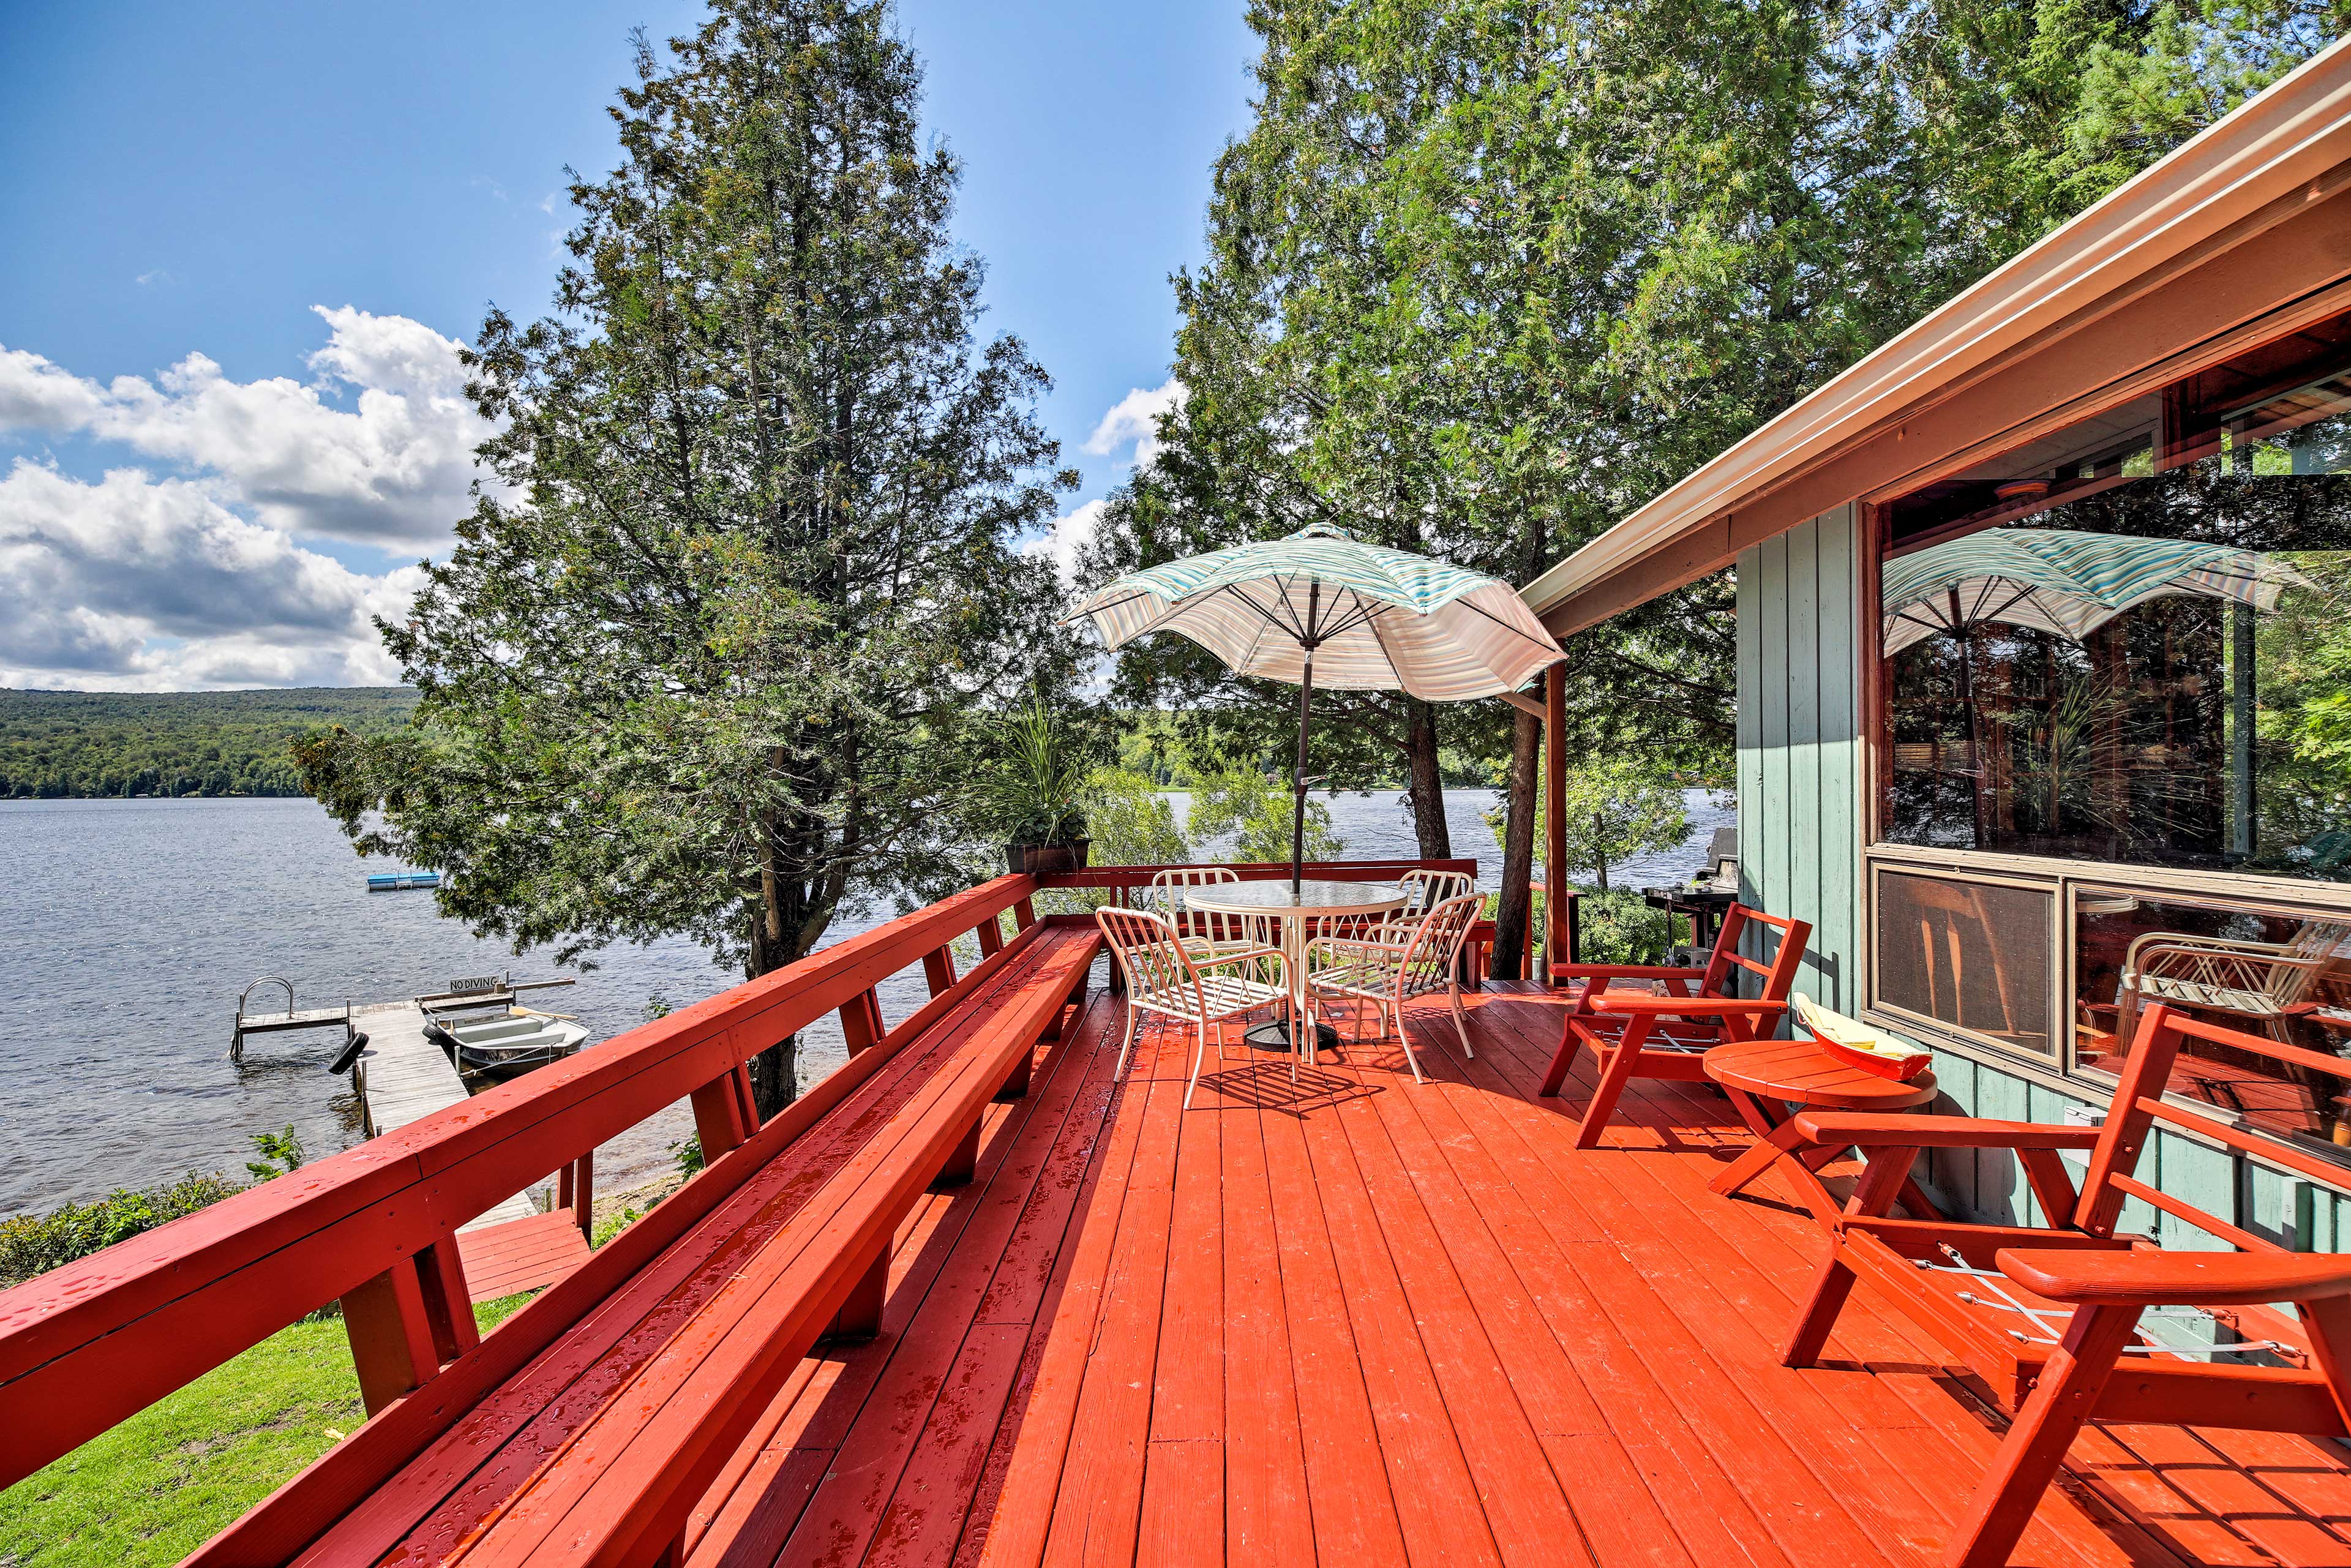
[[90, 1344]]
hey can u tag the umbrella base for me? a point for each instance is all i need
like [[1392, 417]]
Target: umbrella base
[[1277, 1036]]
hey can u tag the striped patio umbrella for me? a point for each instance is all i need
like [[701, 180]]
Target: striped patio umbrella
[[1320, 605], [2063, 582]]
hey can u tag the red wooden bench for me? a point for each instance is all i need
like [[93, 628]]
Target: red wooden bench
[[2043, 1316], [587, 1425], [1641, 1034]]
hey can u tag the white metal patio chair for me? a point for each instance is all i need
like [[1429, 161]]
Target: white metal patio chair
[[1423, 890], [1388, 972], [2266, 983], [1205, 932], [1166, 977]]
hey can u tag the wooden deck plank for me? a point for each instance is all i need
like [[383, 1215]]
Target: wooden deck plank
[[1804, 1514], [1924, 1419], [1032, 1460], [1352, 1510], [1554, 1242], [1702, 1280], [520, 1255], [1893, 1351], [1097, 1511], [1182, 1517], [1626, 1197], [1438, 1499], [1504, 1262], [1267, 1517]]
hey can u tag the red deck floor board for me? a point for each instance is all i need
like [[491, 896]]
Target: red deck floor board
[[1366, 1323], [1267, 1515]]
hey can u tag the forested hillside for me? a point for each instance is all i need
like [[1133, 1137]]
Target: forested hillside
[[67, 744]]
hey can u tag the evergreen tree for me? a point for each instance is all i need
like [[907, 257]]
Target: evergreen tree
[[1486, 275], [704, 657]]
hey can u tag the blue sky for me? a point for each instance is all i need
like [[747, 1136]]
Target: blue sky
[[311, 196]]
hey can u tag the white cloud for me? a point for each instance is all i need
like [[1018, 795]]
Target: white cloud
[[139, 583], [1067, 536], [150, 278], [1135, 418], [392, 469]]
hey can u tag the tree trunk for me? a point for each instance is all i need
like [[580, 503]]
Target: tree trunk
[[1517, 850], [1426, 780], [775, 1071]]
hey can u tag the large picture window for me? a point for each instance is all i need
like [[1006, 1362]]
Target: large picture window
[[2131, 641]]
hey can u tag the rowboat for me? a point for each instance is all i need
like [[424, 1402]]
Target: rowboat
[[514, 1043], [1857, 1045]]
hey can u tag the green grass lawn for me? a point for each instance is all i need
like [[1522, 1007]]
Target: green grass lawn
[[165, 1481]]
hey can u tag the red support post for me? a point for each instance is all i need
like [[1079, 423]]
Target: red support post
[[860, 1316], [991, 937], [448, 1305], [583, 1195], [1024, 914], [718, 1119], [1559, 937], [861, 1022], [963, 1162], [391, 1331], [938, 968], [1016, 1082], [747, 1100]]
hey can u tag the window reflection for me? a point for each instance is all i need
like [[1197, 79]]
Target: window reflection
[[1972, 955], [2285, 975], [2130, 640]]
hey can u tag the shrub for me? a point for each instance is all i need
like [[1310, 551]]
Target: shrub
[[33, 1244], [1618, 927], [1257, 810], [1132, 823]]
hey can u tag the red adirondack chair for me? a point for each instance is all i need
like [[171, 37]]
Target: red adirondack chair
[[1640, 1034], [2043, 1316]]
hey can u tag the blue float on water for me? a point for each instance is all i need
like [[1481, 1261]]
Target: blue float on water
[[395, 881]]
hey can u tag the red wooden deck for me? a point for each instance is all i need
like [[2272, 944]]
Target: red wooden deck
[[521, 1254], [1362, 1322]]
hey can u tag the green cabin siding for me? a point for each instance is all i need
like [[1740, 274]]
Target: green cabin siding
[[1801, 645], [1800, 743]]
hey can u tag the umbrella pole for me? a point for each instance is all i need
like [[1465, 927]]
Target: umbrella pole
[[1297, 785]]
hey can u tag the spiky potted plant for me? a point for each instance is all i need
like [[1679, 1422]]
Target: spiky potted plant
[[1033, 791]]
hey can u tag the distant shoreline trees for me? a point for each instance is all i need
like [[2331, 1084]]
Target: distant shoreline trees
[[68, 745]]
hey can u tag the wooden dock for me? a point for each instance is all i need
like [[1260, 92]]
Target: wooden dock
[[405, 1077], [402, 1077]]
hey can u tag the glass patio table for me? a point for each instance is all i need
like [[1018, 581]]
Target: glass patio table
[[1298, 913]]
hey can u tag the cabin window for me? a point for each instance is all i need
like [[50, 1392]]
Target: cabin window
[[1968, 954], [2130, 640], [2263, 971]]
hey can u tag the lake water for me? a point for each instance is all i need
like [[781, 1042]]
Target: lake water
[[127, 928]]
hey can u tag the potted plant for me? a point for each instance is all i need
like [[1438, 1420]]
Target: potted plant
[[1032, 792]]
